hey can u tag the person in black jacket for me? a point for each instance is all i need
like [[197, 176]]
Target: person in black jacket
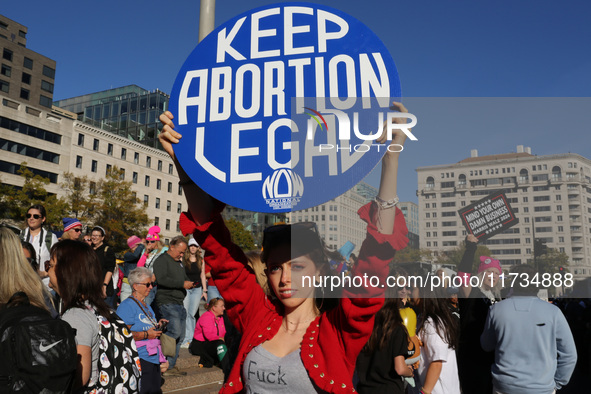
[[474, 363], [106, 257]]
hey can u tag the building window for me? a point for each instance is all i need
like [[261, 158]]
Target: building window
[[147, 181], [179, 208], [136, 158], [6, 70], [180, 191], [110, 149], [7, 54], [25, 94], [170, 169], [168, 205], [167, 224], [78, 161], [48, 87], [170, 187], [148, 161], [45, 101], [122, 174], [156, 221], [92, 188], [134, 177], [80, 139], [158, 184], [178, 226], [95, 145], [28, 63], [94, 166], [49, 72], [146, 199], [157, 203], [4, 86], [123, 153], [26, 78], [159, 165]]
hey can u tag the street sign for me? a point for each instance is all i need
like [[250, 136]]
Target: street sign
[[280, 107]]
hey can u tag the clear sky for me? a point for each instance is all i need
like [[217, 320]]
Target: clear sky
[[444, 51]]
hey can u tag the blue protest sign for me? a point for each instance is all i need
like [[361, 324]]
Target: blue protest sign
[[280, 107]]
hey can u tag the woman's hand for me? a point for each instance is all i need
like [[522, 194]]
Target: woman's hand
[[164, 367], [168, 136], [153, 333], [398, 136]]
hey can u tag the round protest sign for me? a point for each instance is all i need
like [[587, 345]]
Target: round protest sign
[[280, 107]]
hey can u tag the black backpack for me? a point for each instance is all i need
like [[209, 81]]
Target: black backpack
[[119, 368], [37, 352]]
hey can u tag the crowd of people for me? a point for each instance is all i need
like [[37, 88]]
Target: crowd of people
[[266, 330]]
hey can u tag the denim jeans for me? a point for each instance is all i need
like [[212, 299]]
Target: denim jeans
[[176, 316], [212, 292], [191, 303]]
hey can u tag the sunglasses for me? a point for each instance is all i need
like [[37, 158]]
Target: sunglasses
[[148, 284], [34, 216], [48, 266], [150, 242], [78, 230]]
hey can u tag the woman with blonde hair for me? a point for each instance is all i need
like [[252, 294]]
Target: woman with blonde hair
[[154, 248], [18, 275], [193, 262]]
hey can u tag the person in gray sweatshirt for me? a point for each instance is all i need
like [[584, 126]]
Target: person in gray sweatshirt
[[534, 347]]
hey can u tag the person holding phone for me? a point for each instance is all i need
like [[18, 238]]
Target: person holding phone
[[141, 320]]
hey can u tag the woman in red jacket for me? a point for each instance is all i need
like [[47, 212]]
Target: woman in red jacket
[[290, 342]]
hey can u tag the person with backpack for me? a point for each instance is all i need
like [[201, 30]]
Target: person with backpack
[[41, 239], [38, 351], [75, 274]]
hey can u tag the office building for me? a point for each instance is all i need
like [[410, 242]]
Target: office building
[[129, 111], [550, 194], [410, 210]]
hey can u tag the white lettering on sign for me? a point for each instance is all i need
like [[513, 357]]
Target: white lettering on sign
[[236, 152]]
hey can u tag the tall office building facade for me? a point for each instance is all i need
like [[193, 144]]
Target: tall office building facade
[[410, 210], [550, 194], [129, 111]]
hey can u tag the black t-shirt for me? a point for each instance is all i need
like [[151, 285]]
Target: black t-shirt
[[193, 272], [376, 370]]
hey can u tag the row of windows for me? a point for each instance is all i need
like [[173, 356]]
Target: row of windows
[[12, 168], [49, 72], [29, 151], [32, 131], [167, 222], [25, 94], [136, 156]]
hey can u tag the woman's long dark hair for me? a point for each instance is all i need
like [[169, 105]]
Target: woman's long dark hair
[[436, 306], [386, 321], [79, 276]]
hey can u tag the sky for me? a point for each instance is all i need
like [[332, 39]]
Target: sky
[[478, 75]]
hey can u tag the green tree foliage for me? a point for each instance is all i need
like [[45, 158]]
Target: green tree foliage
[[81, 196], [33, 191], [117, 210], [240, 236], [454, 256], [550, 261], [411, 255]]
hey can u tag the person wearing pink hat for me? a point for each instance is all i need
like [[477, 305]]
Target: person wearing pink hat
[[474, 363], [130, 260], [154, 248]]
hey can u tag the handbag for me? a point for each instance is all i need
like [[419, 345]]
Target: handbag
[[168, 345]]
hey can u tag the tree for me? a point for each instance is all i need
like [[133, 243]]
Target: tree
[[551, 261], [117, 210], [454, 256], [81, 196], [240, 235], [410, 255], [33, 192]]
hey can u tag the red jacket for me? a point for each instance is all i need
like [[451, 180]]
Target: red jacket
[[333, 341]]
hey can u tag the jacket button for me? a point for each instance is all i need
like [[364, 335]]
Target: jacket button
[[313, 332], [310, 345], [311, 338], [268, 328], [260, 335], [331, 382], [322, 375], [344, 385], [231, 384], [311, 355], [315, 365]]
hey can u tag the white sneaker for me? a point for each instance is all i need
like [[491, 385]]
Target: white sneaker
[[186, 345]]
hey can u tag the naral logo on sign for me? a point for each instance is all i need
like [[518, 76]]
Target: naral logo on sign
[[280, 107]]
